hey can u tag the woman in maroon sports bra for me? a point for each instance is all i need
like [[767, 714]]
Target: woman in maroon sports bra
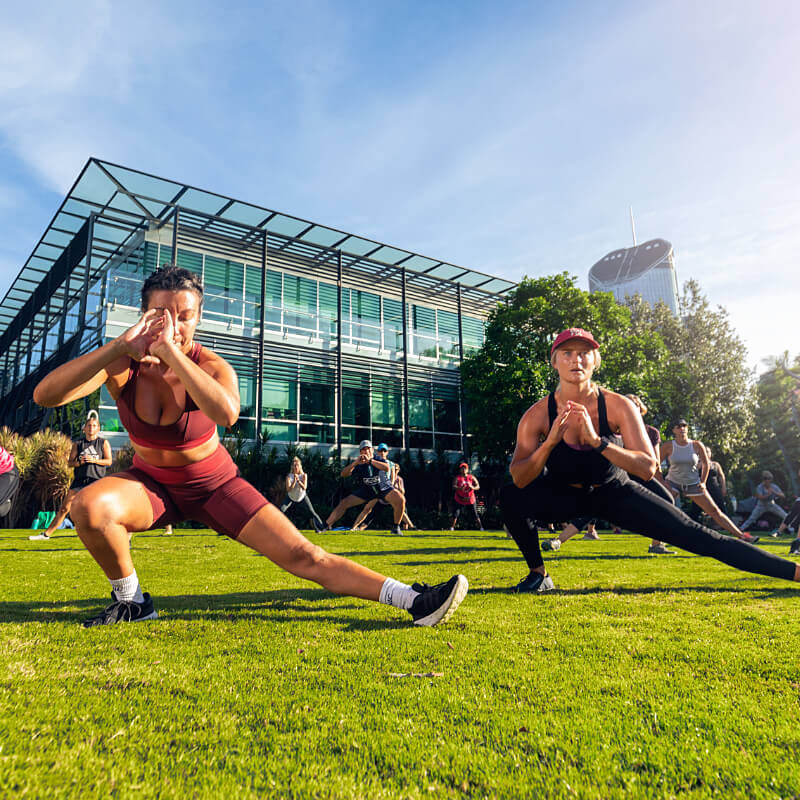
[[171, 394]]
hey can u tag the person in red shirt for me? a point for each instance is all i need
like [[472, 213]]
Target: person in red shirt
[[464, 486]]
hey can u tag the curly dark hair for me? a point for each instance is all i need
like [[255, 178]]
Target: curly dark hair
[[171, 278]]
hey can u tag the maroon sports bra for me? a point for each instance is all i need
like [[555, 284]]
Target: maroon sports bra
[[191, 429]]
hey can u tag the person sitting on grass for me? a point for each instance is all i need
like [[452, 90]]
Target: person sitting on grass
[[90, 457], [374, 476], [572, 433], [171, 394]]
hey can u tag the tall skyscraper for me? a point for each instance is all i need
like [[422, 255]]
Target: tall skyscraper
[[648, 269]]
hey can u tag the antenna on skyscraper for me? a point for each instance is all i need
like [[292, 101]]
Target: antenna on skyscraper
[[633, 227]]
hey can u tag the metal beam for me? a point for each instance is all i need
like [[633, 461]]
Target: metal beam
[[406, 426], [339, 354]]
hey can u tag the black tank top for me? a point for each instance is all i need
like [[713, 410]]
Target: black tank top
[[568, 464], [94, 449]]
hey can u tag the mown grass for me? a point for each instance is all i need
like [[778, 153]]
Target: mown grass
[[640, 677]]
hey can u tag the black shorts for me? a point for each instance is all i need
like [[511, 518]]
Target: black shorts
[[367, 493], [80, 483]]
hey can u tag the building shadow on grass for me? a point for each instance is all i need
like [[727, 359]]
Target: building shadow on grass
[[270, 607]]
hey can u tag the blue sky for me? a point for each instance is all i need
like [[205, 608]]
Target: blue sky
[[509, 137]]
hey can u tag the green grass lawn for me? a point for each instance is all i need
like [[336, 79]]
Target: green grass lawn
[[641, 676]]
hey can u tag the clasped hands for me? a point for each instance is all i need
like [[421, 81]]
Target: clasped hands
[[577, 417], [149, 340]]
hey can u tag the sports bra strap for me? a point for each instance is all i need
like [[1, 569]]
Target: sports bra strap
[[552, 408], [602, 414]]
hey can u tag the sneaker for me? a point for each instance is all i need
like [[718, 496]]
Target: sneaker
[[324, 529], [749, 538], [435, 604], [794, 547], [124, 611], [776, 533], [39, 538], [591, 537], [660, 550], [534, 583], [396, 530], [551, 544]]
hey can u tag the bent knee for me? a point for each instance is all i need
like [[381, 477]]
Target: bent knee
[[90, 512]]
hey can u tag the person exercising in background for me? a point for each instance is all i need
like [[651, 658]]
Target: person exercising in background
[[90, 457], [297, 493], [374, 475], [687, 475], [464, 487]]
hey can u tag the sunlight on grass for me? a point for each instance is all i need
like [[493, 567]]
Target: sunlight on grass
[[639, 677]]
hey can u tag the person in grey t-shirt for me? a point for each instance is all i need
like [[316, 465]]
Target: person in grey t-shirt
[[766, 494]]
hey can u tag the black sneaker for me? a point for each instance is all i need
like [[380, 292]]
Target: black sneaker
[[534, 583], [794, 547], [436, 604], [396, 530], [124, 611]]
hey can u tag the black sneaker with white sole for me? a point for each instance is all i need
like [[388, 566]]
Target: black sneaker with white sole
[[533, 583], [436, 604], [794, 547], [124, 611], [396, 530]]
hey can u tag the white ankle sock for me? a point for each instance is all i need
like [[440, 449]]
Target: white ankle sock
[[128, 588], [399, 595]]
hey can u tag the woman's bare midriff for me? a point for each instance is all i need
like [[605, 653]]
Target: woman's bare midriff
[[159, 457]]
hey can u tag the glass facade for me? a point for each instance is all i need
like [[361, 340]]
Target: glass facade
[[359, 340]]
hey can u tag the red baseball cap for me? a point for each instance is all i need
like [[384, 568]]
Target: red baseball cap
[[463, 464], [573, 333]]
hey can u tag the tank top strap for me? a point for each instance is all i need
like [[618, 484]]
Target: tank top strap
[[552, 408], [602, 415]]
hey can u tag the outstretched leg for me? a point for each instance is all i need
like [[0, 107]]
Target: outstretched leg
[[639, 510], [272, 535]]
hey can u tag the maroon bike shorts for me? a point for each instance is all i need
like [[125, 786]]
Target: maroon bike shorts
[[210, 491]]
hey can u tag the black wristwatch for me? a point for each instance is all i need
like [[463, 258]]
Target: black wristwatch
[[602, 446]]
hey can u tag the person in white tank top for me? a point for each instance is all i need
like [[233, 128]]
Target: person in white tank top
[[688, 471], [297, 493]]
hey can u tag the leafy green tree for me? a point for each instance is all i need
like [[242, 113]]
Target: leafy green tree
[[706, 378], [777, 424], [512, 370]]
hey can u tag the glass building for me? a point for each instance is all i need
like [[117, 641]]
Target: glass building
[[647, 270], [335, 338]]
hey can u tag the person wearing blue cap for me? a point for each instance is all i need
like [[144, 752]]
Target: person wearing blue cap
[[375, 478], [370, 510]]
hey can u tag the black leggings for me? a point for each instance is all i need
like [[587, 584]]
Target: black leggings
[[9, 481], [459, 508], [793, 517], [634, 508], [306, 501]]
